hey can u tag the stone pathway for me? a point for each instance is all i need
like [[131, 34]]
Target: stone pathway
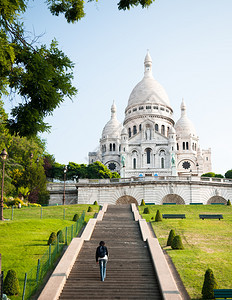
[[130, 273]]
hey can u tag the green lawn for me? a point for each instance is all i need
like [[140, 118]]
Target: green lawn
[[24, 240], [207, 243]]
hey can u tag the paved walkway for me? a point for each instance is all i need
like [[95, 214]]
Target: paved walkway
[[130, 272]]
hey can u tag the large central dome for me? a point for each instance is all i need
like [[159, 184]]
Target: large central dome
[[148, 90]]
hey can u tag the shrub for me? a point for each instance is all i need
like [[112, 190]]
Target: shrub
[[95, 203], [158, 216], [171, 236], [146, 210], [177, 243], [61, 236], [11, 283], [52, 238], [142, 203], [75, 217], [228, 202], [90, 209], [209, 285]]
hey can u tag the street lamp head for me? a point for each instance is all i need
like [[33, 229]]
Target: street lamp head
[[3, 154], [65, 169]]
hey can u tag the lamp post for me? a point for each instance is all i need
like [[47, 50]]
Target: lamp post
[[3, 156], [65, 171]]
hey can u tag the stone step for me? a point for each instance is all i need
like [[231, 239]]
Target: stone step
[[130, 273]]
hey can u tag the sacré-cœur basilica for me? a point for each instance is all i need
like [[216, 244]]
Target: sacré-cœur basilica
[[159, 160], [150, 142]]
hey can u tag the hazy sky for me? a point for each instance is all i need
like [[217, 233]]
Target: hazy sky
[[190, 43]]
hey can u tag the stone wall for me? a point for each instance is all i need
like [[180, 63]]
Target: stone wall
[[155, 190]]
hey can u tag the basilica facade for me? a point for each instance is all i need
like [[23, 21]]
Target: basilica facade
[[150, 142]]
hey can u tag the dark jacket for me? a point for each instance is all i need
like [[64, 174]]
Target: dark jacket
[[98, 252]]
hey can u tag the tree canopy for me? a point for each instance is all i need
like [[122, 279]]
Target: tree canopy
[[41, 76]]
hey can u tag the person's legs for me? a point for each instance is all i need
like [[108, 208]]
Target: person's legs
[[104, 268], [101, 262]]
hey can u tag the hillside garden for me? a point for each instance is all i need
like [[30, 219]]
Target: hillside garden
[[207, 243], [24, 239]]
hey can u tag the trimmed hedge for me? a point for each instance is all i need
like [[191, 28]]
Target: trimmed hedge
[[158, 217], [177, 243], [75, 217], [171, 236], [142, 203], [52, 238], [11, 283], [209, 285], [146, 210]]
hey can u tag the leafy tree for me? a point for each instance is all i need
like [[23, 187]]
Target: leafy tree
[[40, 75], [209, 174], [219, 176], [228, 174]]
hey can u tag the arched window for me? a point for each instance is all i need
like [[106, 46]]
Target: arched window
[[177, 146], [113, 146], [187, 145], [183, 145], [193, 146], [129, 132], [119, 148], [156, 127], [162, 162], [134, 163], [134, 129], [168, 130], [148, 152], [140, 127], [110, 147], [163, 130]]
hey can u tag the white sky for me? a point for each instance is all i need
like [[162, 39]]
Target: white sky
[[190, 43]]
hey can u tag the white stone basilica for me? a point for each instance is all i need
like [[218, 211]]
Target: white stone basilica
[[150, 143]]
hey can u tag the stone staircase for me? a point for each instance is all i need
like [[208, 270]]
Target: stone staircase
[[129, 273]]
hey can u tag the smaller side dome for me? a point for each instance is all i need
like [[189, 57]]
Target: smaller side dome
[[113, 127], [124, 131], [184, 126]]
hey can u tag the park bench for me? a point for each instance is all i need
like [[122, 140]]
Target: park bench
[[169, 203], [196, 203], [218, 203], [173, 216], [222, 293], [211, 217], [149, 203]]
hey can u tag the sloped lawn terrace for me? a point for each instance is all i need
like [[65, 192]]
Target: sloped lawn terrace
[[208, 243]]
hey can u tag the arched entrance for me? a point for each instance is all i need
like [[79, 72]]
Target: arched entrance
[[217, 199], [173, 198], [126, 200]]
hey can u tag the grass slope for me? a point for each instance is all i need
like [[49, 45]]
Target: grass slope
[[24, 240], [207, 243]]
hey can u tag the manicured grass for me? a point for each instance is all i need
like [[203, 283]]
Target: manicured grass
[[207, 243], [24, 240]]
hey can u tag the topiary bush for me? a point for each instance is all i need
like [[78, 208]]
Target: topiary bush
[[142, 203], [75, 217], [95, 203], [158, 216], [61, 236], [11, 283], [228, 202], [171, 236], [52, 238], [209, 285], [146, 210], [90, 209], [177, 243]]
